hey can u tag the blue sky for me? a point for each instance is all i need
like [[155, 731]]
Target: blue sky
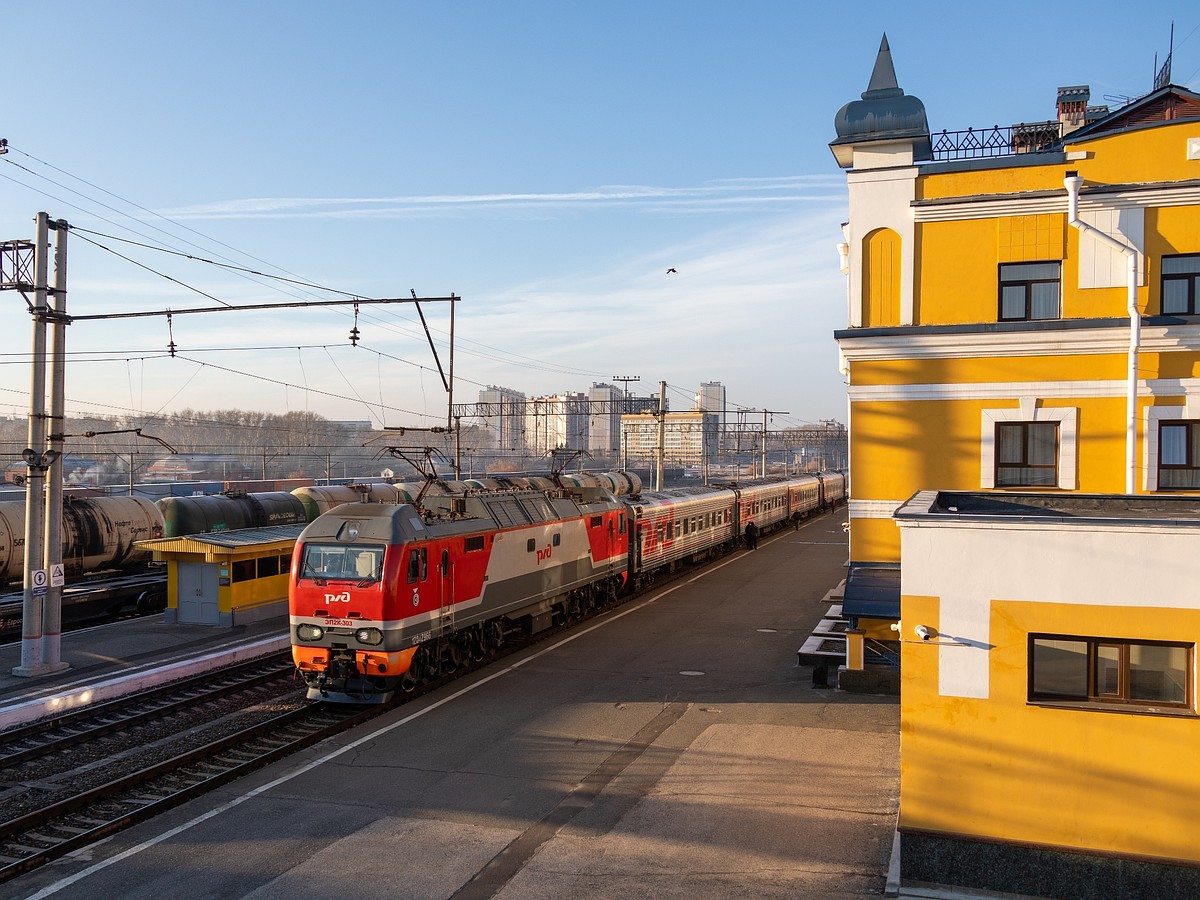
[[546, 162]]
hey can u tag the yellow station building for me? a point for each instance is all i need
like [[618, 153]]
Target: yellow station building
[[1024, 323]]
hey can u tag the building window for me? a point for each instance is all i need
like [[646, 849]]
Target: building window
[[1105, 671], [1029, 291], [1026, 454], [1178, 455], [1181, 284]]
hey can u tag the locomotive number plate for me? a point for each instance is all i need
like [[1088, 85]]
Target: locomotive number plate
[[339, 623]]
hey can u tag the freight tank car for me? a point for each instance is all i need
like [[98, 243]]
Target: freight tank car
[[383, 595], [230, 511], [98, 534]]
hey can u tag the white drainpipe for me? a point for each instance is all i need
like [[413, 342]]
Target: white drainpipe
[[1073, 182]]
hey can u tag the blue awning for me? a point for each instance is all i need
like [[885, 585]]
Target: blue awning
[[872, 591]]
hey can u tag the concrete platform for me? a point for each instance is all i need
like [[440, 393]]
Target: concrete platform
[[122, 657]]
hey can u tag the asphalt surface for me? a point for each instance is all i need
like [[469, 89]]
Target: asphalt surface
[[672, 748]]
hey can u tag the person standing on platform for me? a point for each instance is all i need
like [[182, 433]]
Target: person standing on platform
[[751, 535]]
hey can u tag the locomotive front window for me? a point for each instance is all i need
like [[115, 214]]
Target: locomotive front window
[[346, 562]]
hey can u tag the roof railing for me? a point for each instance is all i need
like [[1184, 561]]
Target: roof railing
[[1009, 140]]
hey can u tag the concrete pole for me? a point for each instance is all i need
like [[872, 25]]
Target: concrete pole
[[35, 477], [52, 602], [764, 445], [662, 432]]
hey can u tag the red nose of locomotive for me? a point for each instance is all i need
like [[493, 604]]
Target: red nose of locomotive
[[338, 620]]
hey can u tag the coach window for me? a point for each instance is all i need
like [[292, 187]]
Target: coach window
[[1029, 291], [1102, 672], [1181, 284], [418, 565]]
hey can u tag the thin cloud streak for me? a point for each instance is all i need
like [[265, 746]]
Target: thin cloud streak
[[713, 196]]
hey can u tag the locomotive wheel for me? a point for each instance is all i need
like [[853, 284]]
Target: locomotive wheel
[[493, 636], [471, 641], [419, 668]]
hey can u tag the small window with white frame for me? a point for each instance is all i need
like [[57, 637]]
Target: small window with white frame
[[1179, 455], [1026, 454], [1030, 291], [1181, 284]]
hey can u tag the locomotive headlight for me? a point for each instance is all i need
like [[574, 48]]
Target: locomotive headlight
[[370, 636], [308, 632]]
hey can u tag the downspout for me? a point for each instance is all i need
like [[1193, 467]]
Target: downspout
[[1072, 183]]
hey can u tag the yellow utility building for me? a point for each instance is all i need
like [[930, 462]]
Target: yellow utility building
[[227, 577]]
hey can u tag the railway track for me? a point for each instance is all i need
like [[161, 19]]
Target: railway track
[[46, 737], [86, 810], [82, 819]]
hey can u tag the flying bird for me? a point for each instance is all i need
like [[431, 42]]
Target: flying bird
[[672, 272]]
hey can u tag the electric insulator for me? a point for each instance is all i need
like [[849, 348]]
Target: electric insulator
[[354, 336]]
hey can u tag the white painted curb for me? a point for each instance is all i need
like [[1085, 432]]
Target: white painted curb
[[90, 691]]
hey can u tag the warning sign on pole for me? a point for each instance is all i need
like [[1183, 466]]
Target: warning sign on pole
[[56, 575], [38, 580]]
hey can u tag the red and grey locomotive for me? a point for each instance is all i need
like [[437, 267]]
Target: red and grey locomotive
[[384, 595]]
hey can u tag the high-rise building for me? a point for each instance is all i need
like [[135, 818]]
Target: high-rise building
[[555, 422], [604, 420], [501, 414], [710, 400]]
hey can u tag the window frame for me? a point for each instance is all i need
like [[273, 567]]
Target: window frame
[[1025, 464], [1027, 284], [1191, 278], [1112, 700], [1192, 441]]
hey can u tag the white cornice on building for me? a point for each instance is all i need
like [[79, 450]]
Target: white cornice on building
[[984, 344], [954, 209]]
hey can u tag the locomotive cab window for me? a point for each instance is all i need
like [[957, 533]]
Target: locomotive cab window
[[418, 565]]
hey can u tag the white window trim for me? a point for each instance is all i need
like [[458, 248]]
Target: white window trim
[[1068, 427], [1152, 416]]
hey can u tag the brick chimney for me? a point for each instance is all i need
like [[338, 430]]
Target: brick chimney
[[1072, 107]]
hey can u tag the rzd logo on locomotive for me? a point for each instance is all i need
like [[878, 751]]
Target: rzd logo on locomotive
[[343, 597], [543, 554]]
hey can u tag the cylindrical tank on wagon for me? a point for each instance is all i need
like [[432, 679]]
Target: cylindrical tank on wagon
[[542, 483], [100, 532], [277, 508], [623, 483], [97, 533], [482, 484], [205, 514], [586, 480], [319, 499]]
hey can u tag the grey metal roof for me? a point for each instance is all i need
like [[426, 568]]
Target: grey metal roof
[[1081, 509], [244, 537]]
